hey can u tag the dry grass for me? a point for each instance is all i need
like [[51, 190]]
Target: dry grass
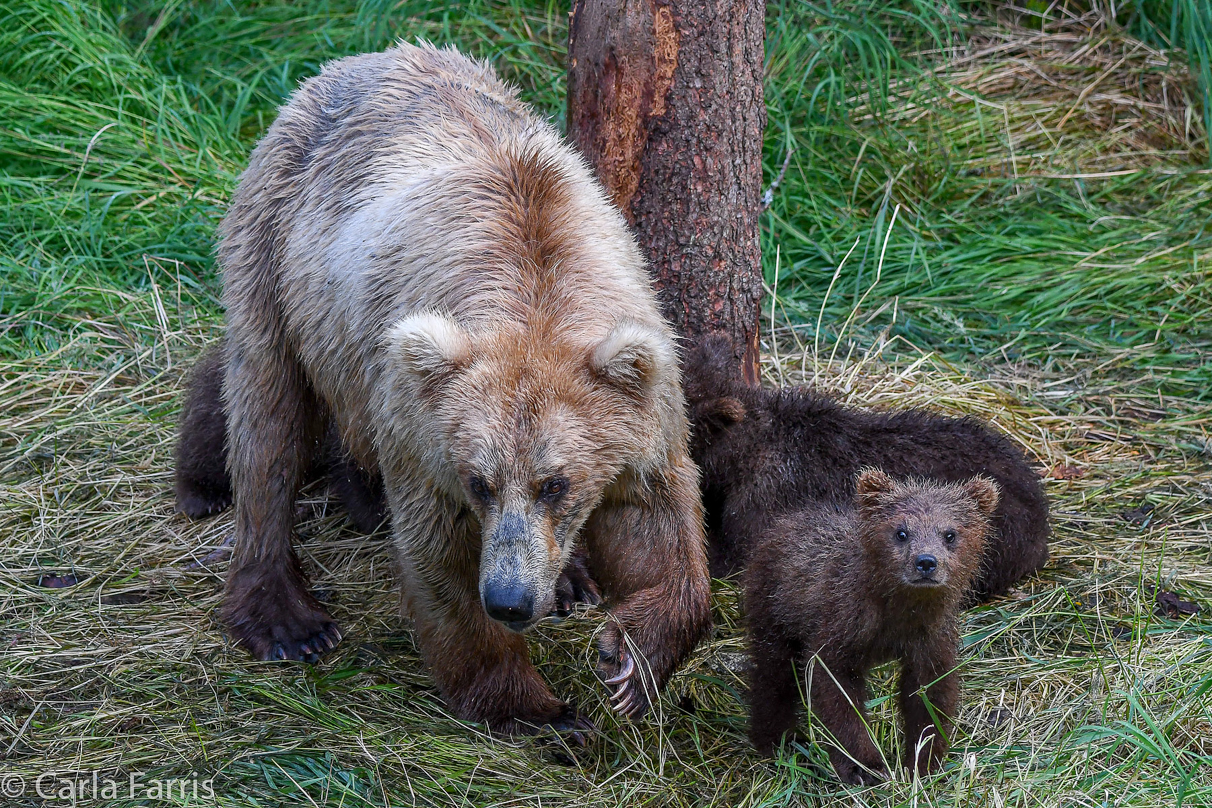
[[128, 670], [1077, 693], [1079, 76]]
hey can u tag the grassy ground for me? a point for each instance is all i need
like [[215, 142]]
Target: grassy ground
[[1005, 213]]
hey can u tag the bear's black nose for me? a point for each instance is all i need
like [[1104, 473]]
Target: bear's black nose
[[509, 603], [925, 564]]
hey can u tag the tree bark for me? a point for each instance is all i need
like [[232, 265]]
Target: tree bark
[[665, 101]]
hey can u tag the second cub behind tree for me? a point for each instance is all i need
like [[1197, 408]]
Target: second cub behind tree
[[832, 591]]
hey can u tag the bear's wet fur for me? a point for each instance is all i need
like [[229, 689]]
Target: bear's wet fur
[[835, 589], [203, 486], [416, 257], [763, 452]]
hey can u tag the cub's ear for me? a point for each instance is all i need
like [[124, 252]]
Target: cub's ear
[[871, 488], [631, 357], [429, 345], [985, 492], [717, 414]]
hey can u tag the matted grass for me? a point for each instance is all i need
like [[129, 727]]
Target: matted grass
[[1072, 312], [1073, 686]]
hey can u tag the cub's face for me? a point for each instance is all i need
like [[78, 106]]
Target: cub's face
[[534, 435], [928, 536]]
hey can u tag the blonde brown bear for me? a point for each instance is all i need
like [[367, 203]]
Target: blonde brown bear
[[415, 255]]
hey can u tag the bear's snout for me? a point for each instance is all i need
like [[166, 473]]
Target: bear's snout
[[925, 564], [514, 573], [510, 602]]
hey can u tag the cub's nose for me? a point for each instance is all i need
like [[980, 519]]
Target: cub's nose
[[509, 602], [925, 564]]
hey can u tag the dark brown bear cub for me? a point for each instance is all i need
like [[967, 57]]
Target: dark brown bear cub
[[835, 590], [765, 452]]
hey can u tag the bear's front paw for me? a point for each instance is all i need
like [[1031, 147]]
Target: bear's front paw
[[574, 586], [927, 756], [573, 727], [628, 678], [281, 623]]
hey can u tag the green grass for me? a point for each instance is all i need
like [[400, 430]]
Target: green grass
[[1025, 227], [1024, 197]]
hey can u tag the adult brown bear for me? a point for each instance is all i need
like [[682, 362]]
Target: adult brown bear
[[415, 256]]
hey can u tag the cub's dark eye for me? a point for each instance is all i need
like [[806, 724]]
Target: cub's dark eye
[[480, 488], [902, 535], [554, 488], [949, 537]]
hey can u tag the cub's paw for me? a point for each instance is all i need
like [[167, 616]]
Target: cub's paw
[[629, 678], [852, 773], [197, 502], [574, 586], [928, 759], [282, 625]]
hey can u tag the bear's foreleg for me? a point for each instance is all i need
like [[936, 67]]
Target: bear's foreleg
[[773, 694], [274, 427], [647, 552], [482, 668], [929, 727], [838, 698], [202, 484]]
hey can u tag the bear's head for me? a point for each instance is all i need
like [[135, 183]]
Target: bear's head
[[535, 426], [927, 538]]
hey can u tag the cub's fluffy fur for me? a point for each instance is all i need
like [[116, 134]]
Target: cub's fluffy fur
[[832, 591], [201, 482], [765, 452]]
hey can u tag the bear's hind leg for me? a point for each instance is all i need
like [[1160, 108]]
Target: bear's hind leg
[[773, 695], [275, 424]]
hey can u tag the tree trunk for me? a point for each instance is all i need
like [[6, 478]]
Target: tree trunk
[[665, 101]]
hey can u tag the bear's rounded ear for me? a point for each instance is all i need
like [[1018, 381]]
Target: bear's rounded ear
[[429, 345], [717, 414], [631, 357], [871, 488], [984, 492]]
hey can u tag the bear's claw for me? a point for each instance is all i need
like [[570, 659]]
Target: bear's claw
[[197, 504], [574, 728], [854, 774], [625, 673], [630, 696], [308, 649], [574, 586]]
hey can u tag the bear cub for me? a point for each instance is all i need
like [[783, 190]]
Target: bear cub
[[767, 452], [836, 589]]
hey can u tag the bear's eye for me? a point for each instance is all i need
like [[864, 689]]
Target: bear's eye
[[949, 537], [553, 489], [479, 487], [902, 535]]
